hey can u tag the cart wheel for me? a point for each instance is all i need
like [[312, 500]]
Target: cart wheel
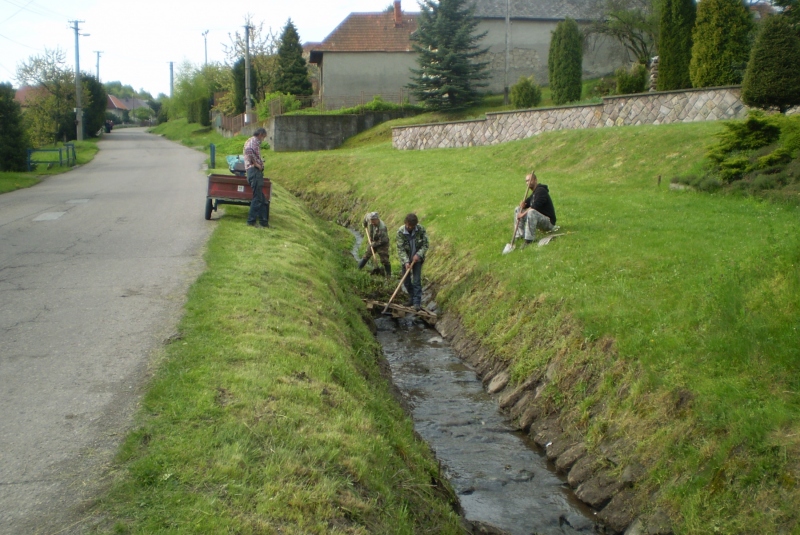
[[209, 208]]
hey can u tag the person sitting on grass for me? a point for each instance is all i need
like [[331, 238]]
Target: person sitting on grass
[[412, 245], [537, 211], [379, 238]]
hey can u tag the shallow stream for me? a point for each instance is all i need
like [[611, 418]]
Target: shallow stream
[[501, 477]]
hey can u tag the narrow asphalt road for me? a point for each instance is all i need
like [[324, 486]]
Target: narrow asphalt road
[[94, 268]]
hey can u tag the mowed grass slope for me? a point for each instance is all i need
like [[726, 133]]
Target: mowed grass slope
[[268, 413], [688, 303]]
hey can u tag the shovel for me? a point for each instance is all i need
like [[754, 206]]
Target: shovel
[[510, 246], [411, 265]]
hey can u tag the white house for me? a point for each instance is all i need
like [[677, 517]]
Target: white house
[[371, 53]]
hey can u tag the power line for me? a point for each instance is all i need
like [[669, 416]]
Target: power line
[[6, 69], [20, 44], [17, 12], [42, 11]]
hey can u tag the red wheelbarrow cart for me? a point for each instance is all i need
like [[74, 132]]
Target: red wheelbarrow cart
[[230, 189]]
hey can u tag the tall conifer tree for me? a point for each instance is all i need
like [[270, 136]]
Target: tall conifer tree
[[450, 72], [292, 74], [721, 43], [772, 79], [13, 139], [675, 44], [565, 62]]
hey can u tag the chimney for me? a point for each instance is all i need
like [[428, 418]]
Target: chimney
[[398, 14]]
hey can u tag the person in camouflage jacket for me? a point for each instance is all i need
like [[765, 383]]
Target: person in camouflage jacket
[[412, 246], [379, 237]]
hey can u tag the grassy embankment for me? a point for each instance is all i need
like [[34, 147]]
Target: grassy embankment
[[676, 313], [10, 181], [269, 414], [699, 294]]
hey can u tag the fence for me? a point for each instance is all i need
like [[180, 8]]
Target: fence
[[68, 151], [233, 124]]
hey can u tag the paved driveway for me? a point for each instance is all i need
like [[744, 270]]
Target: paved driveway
[[94, 268]]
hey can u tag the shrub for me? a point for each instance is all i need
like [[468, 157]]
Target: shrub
[[564, 63], [633, 81], [772, 79], [198, 111], [779, 156], [753, 133], [525, 93], [603, 87], [721, 43], [288, 103]]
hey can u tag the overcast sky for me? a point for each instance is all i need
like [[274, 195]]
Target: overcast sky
[[138, 39]]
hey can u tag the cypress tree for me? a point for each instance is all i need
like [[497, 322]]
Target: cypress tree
[[721, 43], [292, 74], [238, 84], [449, 73], [675, 45], [565, 62], [13, 138], [94, 115], [772, 79]]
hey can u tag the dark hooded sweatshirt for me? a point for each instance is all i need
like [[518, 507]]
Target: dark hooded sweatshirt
[[541, 202]]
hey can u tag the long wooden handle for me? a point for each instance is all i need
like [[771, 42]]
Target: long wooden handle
[[371, 248], [514, 237], [411, 265]]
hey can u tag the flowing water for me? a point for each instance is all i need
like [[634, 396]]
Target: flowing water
[[500, 476]]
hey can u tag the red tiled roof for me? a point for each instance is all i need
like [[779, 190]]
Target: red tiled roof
[[26, 93], [115, 104], [371, 32]]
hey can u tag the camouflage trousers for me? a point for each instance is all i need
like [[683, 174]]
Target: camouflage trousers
[[530, 222], [381, 252]]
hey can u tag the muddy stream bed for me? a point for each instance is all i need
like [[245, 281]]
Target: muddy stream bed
[[501, 477]]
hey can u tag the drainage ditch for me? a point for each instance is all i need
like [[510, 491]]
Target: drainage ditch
[[503, 480]]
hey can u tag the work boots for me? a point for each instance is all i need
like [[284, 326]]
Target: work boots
[[388, 269], [362, 263]]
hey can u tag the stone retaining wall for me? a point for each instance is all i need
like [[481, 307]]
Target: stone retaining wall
[[650, 108]]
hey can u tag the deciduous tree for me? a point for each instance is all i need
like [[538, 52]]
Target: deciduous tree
[[448, 54], [633, 23], [50, 116]]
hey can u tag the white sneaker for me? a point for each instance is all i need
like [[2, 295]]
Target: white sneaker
[[555, 228]]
